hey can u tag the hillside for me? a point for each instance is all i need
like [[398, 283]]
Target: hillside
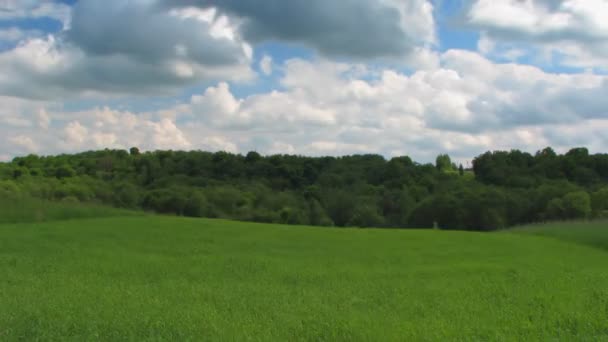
[[594, 233], [22, 209], [502, 189], [169, 278]]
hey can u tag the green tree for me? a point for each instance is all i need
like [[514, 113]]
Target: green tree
[[443, 163], [196, 205], [366, 216], [126, 195], [574, 205], [555, 209], [599, 202], [64, 171], [340, 207], [9, 188], [317, 214], [577, 205]]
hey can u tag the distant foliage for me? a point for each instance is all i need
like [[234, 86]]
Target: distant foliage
[[502, 189]]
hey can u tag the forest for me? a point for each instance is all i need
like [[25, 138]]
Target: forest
[[502, 189]]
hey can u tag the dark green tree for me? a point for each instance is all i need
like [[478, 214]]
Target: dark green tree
[[443, 163]]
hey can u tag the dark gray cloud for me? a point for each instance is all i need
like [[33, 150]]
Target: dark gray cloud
[[140, 30], [115, 75], [123, 47], [351, 28], [155, 46]]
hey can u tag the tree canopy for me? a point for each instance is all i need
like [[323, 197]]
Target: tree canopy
[[503, 188]]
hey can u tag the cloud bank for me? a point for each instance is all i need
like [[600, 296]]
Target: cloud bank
[[373, 78]]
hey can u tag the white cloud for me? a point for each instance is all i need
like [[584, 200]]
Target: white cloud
[[24, 143], [570, 32], [75, 134], [217, 143], [166, 135], [43, 119], [16, 113], [467, 106], [105, 140]]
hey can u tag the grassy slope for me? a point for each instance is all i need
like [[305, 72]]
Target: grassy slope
[[14, 209], [155, 278], [593, 234]]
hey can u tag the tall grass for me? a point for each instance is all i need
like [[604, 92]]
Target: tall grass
[[16, 208], [591, 233]]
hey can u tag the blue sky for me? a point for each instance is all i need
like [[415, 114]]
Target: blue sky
[[393, 77]]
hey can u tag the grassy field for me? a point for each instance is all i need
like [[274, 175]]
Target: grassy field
[[19, 209], [593, 234], [163, 278]]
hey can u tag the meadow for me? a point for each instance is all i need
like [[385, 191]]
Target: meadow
[[594, 233], [155, 278], [21, 209]]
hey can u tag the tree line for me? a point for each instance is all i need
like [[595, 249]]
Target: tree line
[[503, 188]]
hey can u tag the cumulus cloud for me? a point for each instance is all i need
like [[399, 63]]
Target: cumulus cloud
[[23, 143], [15, 112], [468, 105], [75, 134], [119, 48], [141, 31], [115, 48], [569, 32], [459, 102], [349, 28], [465, 107]]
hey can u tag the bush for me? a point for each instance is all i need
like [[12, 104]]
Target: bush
[[340, 207], [317, 214], [292, 216], [577, 205], [366, 216], [574, 205], [64, 171], [9, 188], [126, 195], [166, 201], [196, 205], [599, 201]]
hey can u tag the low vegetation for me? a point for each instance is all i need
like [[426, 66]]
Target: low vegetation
[[594, 233], [14, 208]]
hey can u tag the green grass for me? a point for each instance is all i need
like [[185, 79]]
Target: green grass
[[163, 278], [14, 209], [594, 233]]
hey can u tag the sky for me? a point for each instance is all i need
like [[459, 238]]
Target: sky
[[310, 77]]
